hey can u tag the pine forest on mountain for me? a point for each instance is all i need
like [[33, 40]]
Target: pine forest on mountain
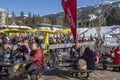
[[110, 16]]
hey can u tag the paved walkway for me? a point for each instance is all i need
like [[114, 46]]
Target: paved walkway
[[96, 75]]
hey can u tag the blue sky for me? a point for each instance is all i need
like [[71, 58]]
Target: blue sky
[[43, 7]]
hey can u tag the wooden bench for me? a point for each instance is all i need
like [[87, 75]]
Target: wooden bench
[[74, 71]]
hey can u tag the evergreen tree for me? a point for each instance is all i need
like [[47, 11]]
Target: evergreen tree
[[22, 18], [29, 16], [114, 17], [13, 17], [22, 15]]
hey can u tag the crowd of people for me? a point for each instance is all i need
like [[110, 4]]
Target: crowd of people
[[68, 39], [25, 50], [95, 57], [28, 48]]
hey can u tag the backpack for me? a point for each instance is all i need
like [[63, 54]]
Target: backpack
[[82, 65]]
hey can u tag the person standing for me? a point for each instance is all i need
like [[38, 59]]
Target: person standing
[[117, 56], [89, 57]]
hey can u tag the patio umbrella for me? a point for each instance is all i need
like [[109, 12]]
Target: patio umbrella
[[46, 30], [31, 30], [12, 31], [64, 31]]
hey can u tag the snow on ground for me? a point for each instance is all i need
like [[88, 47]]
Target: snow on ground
[[103, 30]]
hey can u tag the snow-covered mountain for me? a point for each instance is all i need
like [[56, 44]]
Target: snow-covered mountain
[[88, 12]]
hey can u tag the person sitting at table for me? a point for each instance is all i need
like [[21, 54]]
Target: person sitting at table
[[5, 51], [75, 52], [37, 60], [25, 49]]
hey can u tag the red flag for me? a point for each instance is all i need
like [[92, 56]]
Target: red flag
[[69, 7]]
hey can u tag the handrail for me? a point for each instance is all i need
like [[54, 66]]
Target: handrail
[[55, 46], [66, 45]]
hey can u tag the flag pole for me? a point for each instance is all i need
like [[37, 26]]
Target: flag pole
[[76, 21]]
